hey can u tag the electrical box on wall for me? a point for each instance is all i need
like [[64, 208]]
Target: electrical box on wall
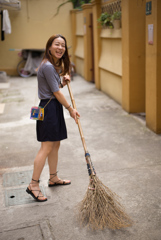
[[148, 8]]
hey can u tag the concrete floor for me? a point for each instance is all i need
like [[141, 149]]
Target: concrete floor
[[125, 153]]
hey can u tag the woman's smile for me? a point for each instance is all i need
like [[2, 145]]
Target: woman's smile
[[57, 48]]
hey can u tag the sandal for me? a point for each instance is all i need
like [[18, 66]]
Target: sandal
[[58, 182], [38, 196]]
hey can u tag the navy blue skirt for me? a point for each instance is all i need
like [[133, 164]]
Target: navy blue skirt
[[53, 128]]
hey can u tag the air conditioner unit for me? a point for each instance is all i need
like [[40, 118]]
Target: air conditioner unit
[[10, 4]]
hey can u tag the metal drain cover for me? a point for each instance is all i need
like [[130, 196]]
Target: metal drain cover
[[17, 178], [19, 196]]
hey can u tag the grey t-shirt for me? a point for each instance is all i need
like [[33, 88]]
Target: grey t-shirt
[[48, 80]]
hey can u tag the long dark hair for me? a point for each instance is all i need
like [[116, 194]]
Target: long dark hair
[[64, 62]]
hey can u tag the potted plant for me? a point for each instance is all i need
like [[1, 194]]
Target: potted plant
[[116, 19], [105, 20]]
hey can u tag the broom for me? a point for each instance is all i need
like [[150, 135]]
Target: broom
[[100, 207]]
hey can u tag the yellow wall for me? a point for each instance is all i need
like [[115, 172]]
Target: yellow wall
[[133, 55], [111, 55], [79, 23], [31, 28], [96, 8], [110, 63], [159, 69], [111, 84], [88, 41], [126, 67], [79, 52], [80, 66], [80, 48], [79, 56], [153, 70], [82, 39]]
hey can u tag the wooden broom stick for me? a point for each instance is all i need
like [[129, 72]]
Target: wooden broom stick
[[79, 124]]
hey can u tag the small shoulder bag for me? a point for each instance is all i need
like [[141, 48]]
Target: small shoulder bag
[[37, 113]]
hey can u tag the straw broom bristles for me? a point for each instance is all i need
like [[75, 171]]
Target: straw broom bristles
[[100, 207]]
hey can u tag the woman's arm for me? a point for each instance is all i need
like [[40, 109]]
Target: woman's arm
[[64, 82], [60, 97]]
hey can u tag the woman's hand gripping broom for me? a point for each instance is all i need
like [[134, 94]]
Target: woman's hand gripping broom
[[100, 207]]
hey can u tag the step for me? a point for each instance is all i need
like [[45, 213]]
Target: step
[[2, 106]]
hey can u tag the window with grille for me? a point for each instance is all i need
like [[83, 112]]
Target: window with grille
[[111, 7]]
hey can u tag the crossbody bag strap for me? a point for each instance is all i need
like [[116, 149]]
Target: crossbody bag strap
[[48, 101]]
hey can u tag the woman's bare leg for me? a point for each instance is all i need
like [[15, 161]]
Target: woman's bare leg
[[53, 162], [53, 158], [39, 162]]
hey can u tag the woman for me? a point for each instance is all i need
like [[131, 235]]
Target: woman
[[53, 129]]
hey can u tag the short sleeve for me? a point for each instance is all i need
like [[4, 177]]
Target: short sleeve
[[52, 77]]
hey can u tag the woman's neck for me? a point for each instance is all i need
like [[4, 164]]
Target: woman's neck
[[56, 60]]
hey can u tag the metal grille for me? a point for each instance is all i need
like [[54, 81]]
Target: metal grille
[[17, 178], [18, 196], [112, 7]]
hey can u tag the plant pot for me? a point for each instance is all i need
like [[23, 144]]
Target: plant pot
[[117, 24]]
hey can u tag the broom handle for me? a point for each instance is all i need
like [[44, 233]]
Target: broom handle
[[79, 124]]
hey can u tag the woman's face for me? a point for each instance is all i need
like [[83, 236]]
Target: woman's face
[[57, 48]]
